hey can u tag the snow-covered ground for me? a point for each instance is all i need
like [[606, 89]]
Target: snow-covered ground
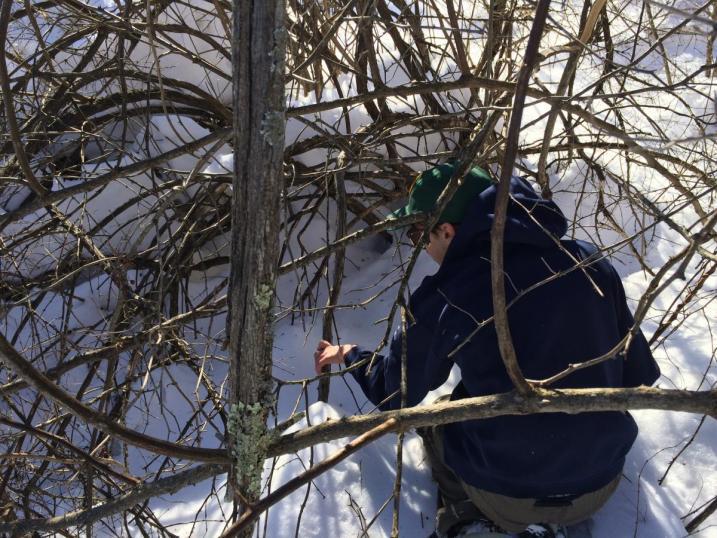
[[355, 497]]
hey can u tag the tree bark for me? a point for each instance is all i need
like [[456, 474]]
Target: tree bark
[[258, 52]]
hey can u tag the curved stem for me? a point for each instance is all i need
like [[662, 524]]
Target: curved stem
[[502, 328]]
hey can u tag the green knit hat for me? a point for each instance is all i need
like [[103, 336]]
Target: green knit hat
[[429, 185]]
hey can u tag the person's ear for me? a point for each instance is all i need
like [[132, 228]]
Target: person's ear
[[448, 230]]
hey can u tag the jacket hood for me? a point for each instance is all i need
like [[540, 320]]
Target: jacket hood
[[531, 220]]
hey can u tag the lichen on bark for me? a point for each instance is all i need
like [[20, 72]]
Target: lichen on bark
[[272, 127], [246, 425], [263, 296]]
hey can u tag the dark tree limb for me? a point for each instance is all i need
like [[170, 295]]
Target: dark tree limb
[[500, 312], [700, 518]]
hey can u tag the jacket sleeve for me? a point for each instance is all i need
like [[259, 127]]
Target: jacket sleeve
[[639, 367], [382, 384]]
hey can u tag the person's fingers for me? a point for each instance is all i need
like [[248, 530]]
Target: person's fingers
[[324, 358], [326, 354], [321, 361]]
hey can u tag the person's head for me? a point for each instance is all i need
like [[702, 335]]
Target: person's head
[[422, 198], [439, 239]]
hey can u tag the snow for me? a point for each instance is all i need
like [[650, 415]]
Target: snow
[[350, 499]]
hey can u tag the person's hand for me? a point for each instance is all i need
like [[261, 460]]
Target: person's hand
[[326, 354]]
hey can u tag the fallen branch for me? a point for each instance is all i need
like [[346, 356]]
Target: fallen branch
[[702, 516]]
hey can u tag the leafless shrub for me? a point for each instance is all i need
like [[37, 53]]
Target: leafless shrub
[[115, 197]]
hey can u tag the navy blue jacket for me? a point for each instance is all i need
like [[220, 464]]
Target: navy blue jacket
[[579, 313]]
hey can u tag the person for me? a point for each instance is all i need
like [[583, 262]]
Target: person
[[566, 305]]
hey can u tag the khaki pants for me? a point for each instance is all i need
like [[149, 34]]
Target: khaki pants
[[463, 502]]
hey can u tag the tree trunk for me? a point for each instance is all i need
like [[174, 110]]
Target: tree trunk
[[258, 52]]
